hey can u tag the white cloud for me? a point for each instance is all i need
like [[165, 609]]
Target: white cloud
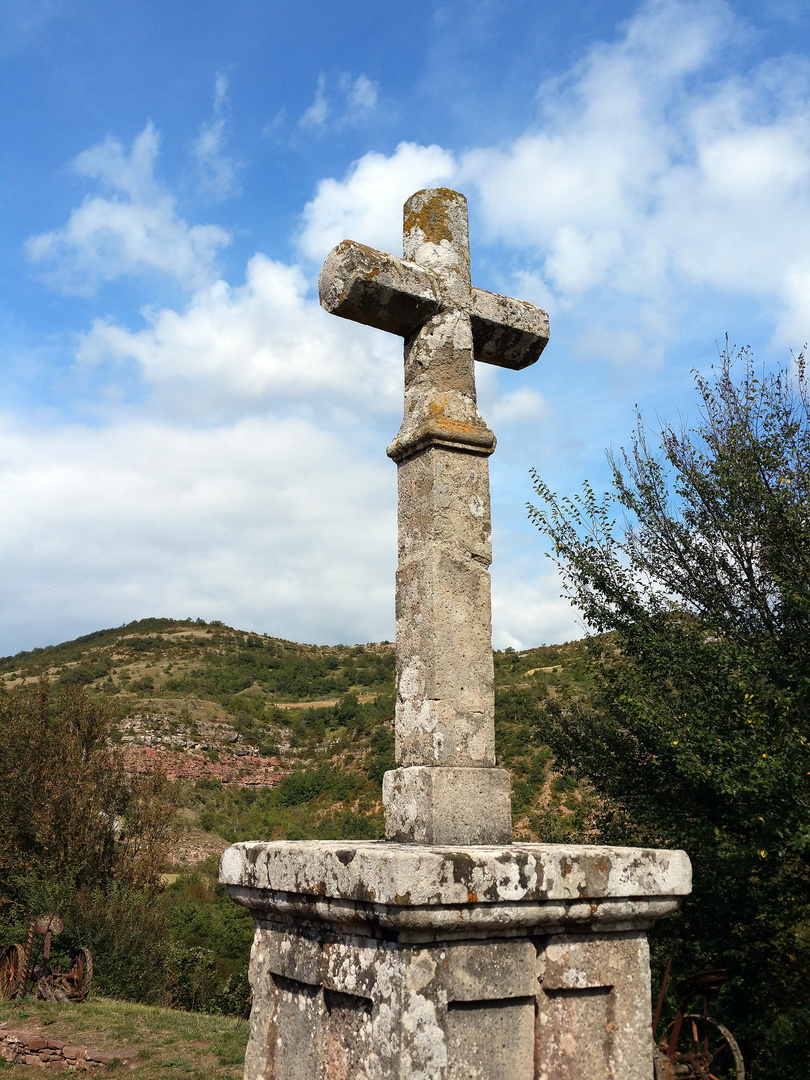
[[644, 175], [135, 228], [517, 407], [272, 127], [217, 170], [243, 484], [527, 608], [263, 345], [317, 113], [620, 345], [367, 204], [357, 100], [273, 524], [361, 96], [793, 328]]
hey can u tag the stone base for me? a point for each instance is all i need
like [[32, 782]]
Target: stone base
[[442, 805], [377, 961]]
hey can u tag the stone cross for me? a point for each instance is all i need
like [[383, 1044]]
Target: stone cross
[[446, 789], [433, 958]]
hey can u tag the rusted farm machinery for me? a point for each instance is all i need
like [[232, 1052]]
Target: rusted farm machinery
[[694, 1046], [17, 967]]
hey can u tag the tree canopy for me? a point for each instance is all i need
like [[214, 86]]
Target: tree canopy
[[694, 570]]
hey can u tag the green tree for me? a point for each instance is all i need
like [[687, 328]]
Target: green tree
[[80, 837], [695, 573]]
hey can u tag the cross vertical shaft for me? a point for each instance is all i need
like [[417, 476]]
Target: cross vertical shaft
[[446, 789]]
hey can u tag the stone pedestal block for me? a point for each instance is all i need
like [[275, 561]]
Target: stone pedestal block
[[379, 961], [435, 805]]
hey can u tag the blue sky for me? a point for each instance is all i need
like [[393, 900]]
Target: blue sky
[[184, 432]]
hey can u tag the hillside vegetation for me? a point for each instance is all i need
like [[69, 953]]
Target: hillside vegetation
[[258, 738], [281, 740]]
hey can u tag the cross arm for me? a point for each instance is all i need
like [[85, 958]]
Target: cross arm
[[377, 289], [506, 332]]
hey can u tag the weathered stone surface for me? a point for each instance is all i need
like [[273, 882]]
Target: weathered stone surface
[[377, 289], [486, 970], [386, 1011], [441, 805], [445, 700], [424, 959], [30, 1048], [408, 875], [508, 333], [594, 1006], [436, 235], [445, 677], [490, 1039], [379, 961], [440, 404]]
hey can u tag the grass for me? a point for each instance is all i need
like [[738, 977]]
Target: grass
[[169, 1043]]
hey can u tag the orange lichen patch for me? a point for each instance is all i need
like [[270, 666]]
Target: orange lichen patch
[[472, 897], [448, 427], [432, 220], [458, 429]]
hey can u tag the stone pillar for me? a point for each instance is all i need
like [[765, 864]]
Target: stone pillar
[[445, 710], [447, 789]]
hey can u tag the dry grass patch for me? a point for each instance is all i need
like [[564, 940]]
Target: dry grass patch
[[169, 1043]]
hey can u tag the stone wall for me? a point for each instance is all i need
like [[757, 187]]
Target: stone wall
[[28, 1048]]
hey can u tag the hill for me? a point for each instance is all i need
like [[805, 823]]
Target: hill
[[262, 738], [267, 738]]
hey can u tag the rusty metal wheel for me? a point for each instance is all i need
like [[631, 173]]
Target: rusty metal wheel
[[12, 964], [79, 975], [705, 1050]]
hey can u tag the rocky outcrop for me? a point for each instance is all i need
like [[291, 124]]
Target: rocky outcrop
[[232, 767]]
